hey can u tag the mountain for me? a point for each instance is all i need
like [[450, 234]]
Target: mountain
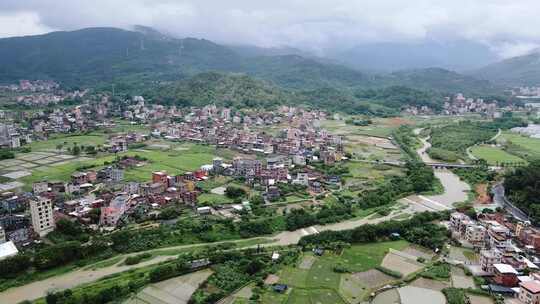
[[517, 71], [438, 79], [222, 89], [95, 55], [133, 60], [388, 57], [255, 51], [299, 73], [244, 91]]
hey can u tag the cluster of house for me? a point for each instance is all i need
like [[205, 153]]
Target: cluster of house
[[13, 136], [116, 200], [39, 93], [460, 105], [25, 85], [526, 92], [248, 134], [508, 253]]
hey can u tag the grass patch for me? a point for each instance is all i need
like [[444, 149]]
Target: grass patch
[[211, 199], [455, 296], [367, 256], [494, 155], [68, 141], [104, 264], [437, 271]]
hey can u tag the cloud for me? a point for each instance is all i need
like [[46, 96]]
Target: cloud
[[21, 24], [310, 24]]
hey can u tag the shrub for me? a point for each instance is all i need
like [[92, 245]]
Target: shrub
[[136, 259], [341, 268], [455, 296]]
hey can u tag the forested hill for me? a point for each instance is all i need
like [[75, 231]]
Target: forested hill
[[523, 189], [94, 56], [223, 89], [517, 71], [241, 91], [442, 80]]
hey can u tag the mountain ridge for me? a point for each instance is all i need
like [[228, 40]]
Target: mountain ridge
[[105, 55]]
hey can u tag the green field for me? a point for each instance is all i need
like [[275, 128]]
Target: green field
[[321, 284], [62, 172], [522, 146], [122, 126], [211, 199], [380, 128], [173, 161], [68, 141], [364, 257], [494, 155]]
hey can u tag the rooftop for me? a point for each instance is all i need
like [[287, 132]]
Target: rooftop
[[505, 268], [531, 286], [7, 250]]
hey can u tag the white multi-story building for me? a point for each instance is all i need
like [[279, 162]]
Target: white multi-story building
[[488, 258], [475, 234], [40, 187], [41, 210]]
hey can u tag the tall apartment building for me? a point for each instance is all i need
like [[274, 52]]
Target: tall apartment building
[[41, 210]]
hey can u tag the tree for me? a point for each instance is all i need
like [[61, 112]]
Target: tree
[[76, 150], [234, 192], [12, 266]]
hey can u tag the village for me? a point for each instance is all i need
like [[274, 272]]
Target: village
[[506, 252], [273, 163]]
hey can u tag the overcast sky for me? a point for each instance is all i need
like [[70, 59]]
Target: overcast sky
[[510, 27]]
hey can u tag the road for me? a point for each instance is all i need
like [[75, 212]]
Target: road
[[500, 199]]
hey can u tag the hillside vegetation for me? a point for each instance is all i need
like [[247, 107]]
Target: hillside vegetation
[[94, 56], [523, 189], [517, 71]]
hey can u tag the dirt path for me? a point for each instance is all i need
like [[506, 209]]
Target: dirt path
[[422, 151], [39, 289]]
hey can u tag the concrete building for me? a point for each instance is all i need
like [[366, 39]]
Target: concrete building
[[529, 292], [7, 250], [505, 275], [40, 187], [488, 258], [475, 234], [41, 210], [302, 179]]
